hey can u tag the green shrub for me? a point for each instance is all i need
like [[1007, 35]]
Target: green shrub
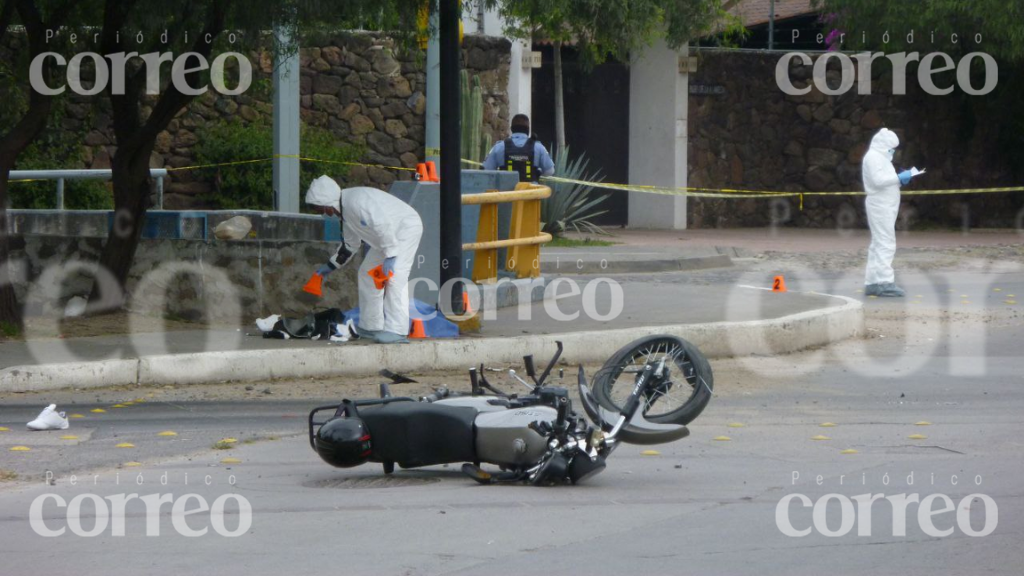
[[571, 207], [58, 148], [250, 186]]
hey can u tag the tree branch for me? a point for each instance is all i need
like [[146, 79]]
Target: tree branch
[[172, 100], [6, 16]]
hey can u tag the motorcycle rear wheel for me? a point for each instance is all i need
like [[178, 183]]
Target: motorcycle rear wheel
[[677, 400]]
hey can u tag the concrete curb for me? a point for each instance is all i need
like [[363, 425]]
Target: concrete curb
[[581, 266], [717, 340]]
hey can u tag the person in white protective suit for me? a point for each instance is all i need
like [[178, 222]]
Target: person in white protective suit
[[882, 186], [392, 230]]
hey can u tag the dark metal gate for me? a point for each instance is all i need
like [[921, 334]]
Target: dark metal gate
[[596, 119]]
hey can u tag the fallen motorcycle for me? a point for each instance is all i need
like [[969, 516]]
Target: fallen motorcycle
[[646, 394]]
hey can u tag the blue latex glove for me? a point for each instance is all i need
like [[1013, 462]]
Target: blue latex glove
[[389, 266], [324, 270], [905, 177]]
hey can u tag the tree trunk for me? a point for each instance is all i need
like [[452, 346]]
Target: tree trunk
[[135, 140], [11, 146], [20, 136], [559, 101], [131, 199], [10, 312]]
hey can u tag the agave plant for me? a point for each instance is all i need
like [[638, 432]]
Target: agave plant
[[572, 206]]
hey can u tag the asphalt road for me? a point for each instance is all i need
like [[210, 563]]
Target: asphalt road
[[701, 506], [943, 365]]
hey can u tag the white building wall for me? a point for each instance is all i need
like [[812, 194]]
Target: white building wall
[[658, 110], [520, 84]]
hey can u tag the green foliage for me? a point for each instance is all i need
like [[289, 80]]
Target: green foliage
[[866, 21], [588, 242], [58, 148], [249, 186], [614, 28], [572, 206], [475, 144], [9, 330]]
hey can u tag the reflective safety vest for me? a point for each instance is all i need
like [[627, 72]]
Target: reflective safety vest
[[520, 159]]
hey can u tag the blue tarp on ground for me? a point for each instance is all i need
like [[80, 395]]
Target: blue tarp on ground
[[434, 324]]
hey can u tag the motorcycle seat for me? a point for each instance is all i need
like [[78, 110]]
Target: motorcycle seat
[[416, 434]]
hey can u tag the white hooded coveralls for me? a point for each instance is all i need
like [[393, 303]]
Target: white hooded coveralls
[[882, 186], [391, 228]]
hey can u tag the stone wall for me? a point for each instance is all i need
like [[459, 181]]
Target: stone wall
[[191, 279], [746, 133], [363, 87]]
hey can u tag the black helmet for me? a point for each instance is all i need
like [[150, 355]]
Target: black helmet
[[344, 442]]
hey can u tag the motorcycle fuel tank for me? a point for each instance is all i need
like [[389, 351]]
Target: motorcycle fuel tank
[[504, 437]]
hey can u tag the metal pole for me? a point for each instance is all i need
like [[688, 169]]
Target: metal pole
[[60, 193], [433, 143], [771, 25], [286, 122], [451, 171], [159, 192]]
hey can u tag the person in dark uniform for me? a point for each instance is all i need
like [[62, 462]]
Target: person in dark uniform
[[521, 153]]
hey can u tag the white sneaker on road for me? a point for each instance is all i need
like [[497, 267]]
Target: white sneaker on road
[[49, 419]]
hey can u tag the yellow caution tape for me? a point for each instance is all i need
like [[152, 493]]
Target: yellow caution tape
[[740, 193], [125, 445], [167, 433], [292, 156], [20, 449], [97, 410], [696, 192]]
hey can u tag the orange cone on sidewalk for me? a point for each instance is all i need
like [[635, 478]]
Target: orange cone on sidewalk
[[417, 331], [779, 284], [465, 303], [421, 173], [315, 286], [432, 172]]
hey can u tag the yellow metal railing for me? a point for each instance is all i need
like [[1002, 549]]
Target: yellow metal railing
[[524, 238]]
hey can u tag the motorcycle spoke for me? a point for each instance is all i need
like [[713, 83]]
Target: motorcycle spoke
[[668, 396]]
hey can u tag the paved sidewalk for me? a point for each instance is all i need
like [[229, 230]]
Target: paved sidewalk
[[645, 302], [759, 240]]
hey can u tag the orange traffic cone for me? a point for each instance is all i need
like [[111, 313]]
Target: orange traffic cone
[[417, 329], [315, 285], [779, 284], [421, 173], [379, 279], [465, 302], [432, 172]]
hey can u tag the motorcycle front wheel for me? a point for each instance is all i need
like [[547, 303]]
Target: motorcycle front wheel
[[677, 397]]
